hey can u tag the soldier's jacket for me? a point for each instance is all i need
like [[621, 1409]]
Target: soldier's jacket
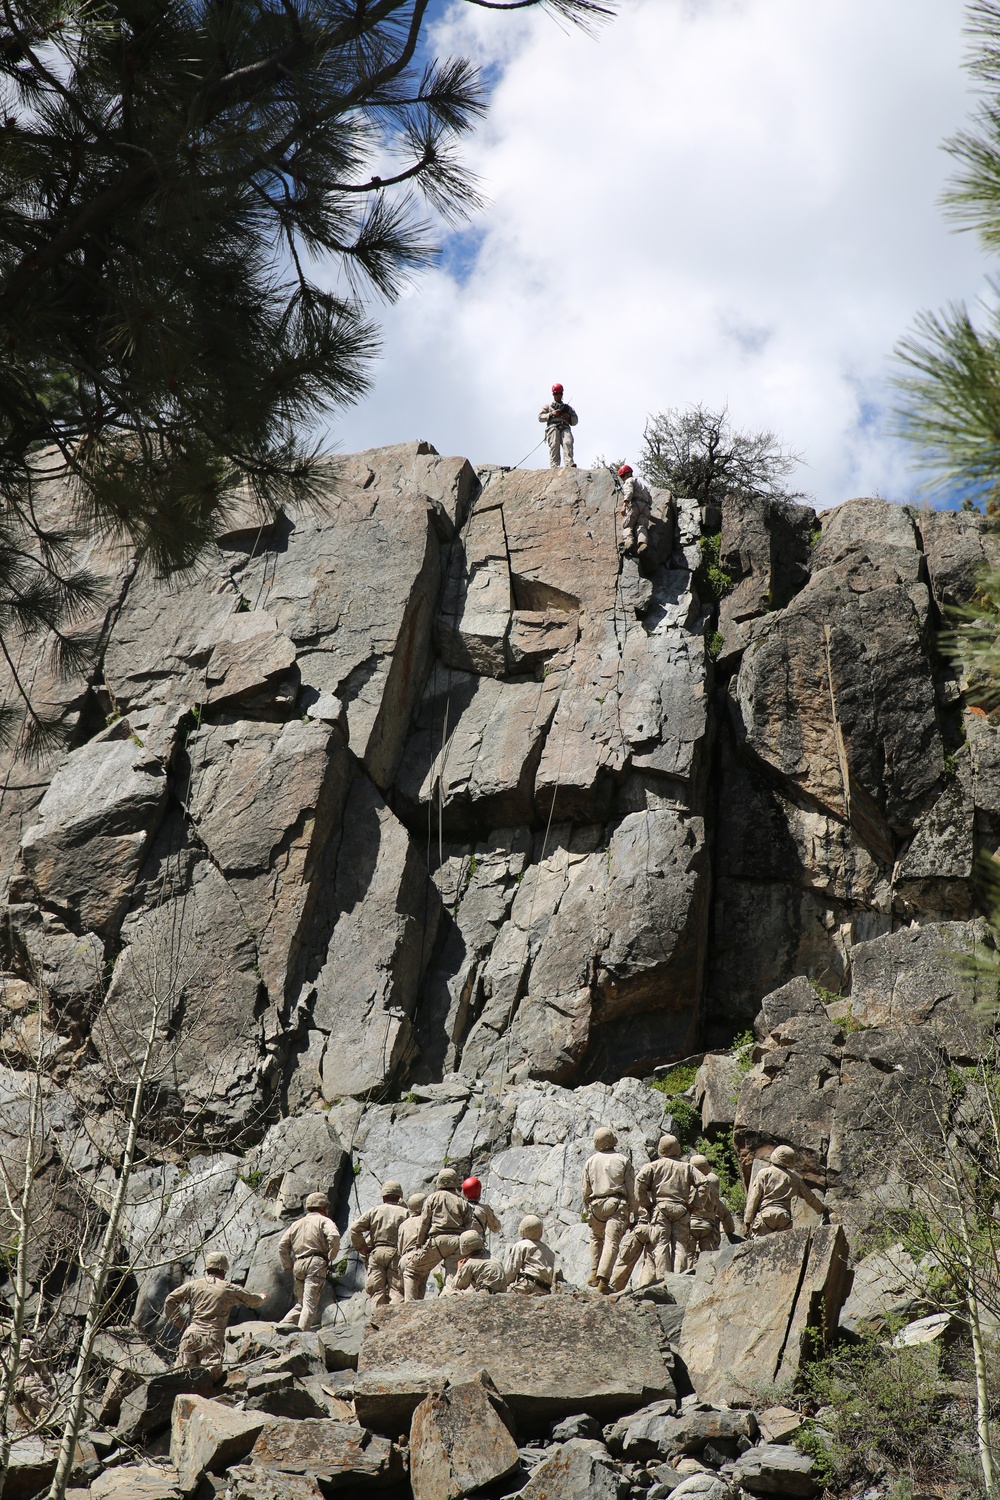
[[484, 1218], [409, 1229], [531, 1260], [608, 1174], [444, 1213], [379, 1226], [708, 1204], [313, 1234], [210, 1300], [773, 1187], [558, 414], [480, 1273], [635, 496], [667, 1181]]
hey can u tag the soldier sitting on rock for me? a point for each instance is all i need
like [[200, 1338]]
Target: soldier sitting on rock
[[306, 1249], [444, 1216], [665, 1188], [210, 1299], [477, 1271], [375, 1236], [709, 1211], [769, 1199], [483, 1215], [531, 1265], [609, 1203]]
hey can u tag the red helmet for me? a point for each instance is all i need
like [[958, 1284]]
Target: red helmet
[[556, 387], [472, 1189], [624, 471]]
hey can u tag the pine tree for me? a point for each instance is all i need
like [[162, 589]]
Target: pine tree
[[197, 200], [950, 378]]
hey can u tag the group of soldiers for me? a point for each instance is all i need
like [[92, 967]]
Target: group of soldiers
[[672, 1209], [660, 1218], [560, 419]]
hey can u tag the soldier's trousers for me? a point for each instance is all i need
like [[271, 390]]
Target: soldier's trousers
[[383, 1282], [771, 1221], [560, 437], [635, 527], [203, 1346], [310, 1277], [639, 1242], [704, 1237], [674, 1247], [417, 1264], [608, 1221]]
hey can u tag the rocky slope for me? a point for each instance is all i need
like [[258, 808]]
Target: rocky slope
[[424, 829]]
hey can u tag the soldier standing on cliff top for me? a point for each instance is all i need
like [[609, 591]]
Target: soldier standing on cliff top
[[559, 419]]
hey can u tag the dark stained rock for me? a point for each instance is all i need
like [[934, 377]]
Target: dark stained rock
[[335, 1453], [460, 1440], [530, 1348]]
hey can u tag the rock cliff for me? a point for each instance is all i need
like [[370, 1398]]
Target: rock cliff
[[432, 828]]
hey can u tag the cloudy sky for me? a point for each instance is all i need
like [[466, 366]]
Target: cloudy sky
[[728, 201]]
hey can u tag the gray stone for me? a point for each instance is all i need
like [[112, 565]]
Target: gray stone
[[936, 1328], [764, 547], [717, 1090], [460, 1440], [340, 1345], [913, 977], [334, 1453], [732, 1339], [146, 1411], [206, 1437], [887, 1285], [530, 1346], [779, 1424], [774, 1469], [660, 1432], [574, 1472], [959, 546], [251, 1482], [136, 1482], [797, 998], [94, 824], [704, 1487]]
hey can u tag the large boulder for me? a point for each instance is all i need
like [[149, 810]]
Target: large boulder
[[547, 1357], [574, 1471], [775, 1469], [206, 1437], [337, 1454], [460, 1440], [758, 1308]]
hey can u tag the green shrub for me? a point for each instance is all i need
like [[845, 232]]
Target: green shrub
[[711, 581], [677, 1081], [713, 644]]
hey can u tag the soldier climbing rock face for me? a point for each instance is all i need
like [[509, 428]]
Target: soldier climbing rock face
[[635, 507], [210, 1299], [306, 1249], [560, 419], [375, 1236], [769, 1199]]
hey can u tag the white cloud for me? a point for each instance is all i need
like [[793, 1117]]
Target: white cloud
[[728, 201]]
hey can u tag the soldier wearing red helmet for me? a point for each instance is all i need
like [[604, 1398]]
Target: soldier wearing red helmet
[[560, 419], [636, 502], [485, 1217]]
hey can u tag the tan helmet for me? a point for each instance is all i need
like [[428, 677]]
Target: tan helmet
[[470, 1243], [530, 1227], [216, 1261], [447, 1180], [701, 1163], [415, 1202], [604, 1139], [392, 1191], [783, 1156], [669, 1146], [317, 1203]]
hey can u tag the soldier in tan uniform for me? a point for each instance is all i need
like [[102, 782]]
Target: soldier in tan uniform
[[210, 1299], [531, 1265], [665, 1189], [636, 503], [407, 1241], [375, 1236], [484, 1217], [34, 1395], [609, 1202], [639, 1244], [769, 1200], [709, 1210], [306, 1249], [444, 1216], [477, 1271], [559, 419]]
